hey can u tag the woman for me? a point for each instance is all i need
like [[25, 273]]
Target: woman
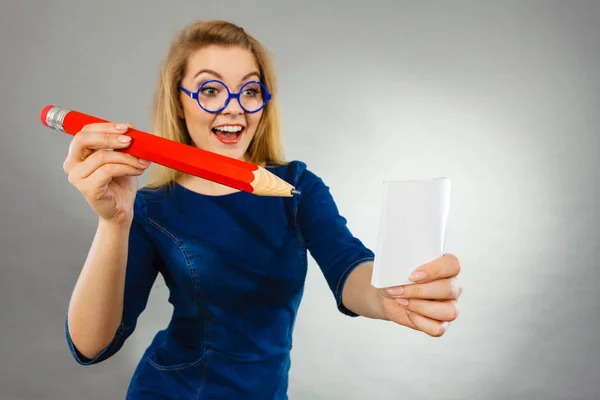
[[235, 263]]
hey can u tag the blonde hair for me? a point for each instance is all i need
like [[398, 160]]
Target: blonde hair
[[266, 146]]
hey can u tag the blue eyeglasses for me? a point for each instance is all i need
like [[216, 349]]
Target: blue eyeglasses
[[214, 96]]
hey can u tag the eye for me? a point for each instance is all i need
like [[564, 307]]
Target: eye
[[252, 90], [209, 91]]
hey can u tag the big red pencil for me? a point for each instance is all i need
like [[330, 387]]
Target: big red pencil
[[227, 171]]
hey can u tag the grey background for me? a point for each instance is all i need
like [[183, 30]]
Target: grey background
[[500, 96]]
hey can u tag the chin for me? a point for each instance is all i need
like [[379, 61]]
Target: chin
[[232, 153], [237, 151]]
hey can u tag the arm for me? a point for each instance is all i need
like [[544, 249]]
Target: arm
[[360, 296], [96, 304], [112, 289], [345, 262], [347, 266]]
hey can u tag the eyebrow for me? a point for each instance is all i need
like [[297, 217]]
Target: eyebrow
[[210, 71]]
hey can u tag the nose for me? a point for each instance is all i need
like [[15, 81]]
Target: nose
[[233, 107]]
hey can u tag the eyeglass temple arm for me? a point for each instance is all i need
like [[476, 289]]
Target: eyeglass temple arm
[[191, 94]]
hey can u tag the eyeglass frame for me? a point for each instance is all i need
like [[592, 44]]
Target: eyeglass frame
[[195, 96]]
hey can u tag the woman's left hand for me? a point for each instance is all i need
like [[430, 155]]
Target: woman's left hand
[[429, 304]]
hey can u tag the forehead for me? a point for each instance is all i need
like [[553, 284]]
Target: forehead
[[231, 62]]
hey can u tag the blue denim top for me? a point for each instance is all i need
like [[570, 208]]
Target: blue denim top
[[235, 266]]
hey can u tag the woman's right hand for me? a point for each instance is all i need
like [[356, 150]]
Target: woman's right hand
[[107, 179]]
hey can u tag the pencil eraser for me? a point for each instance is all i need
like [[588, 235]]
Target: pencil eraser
[[44, 113]]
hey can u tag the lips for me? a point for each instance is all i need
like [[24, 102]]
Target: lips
[[229, 133]]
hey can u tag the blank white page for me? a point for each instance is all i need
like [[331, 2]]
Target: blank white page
[[412, 228]]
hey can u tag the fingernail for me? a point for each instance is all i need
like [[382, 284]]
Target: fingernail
[[402, 302], [121, 127], [445, 326], [124, 139], [418, 276], [144, 162], [396, 291]]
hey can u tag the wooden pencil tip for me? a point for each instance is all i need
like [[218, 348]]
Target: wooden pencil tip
[[295, 192]]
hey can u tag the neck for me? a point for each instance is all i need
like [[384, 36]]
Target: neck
[[204, 186]]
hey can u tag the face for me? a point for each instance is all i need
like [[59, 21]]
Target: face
[[230, 131]]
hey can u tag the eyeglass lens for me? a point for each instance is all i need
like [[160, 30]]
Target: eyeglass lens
[[213, 95]]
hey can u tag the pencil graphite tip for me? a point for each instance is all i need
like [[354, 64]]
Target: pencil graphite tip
[[295, 192]]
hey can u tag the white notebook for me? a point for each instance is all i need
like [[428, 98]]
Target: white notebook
[[412, 228]]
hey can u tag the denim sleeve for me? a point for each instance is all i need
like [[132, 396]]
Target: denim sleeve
[[142, 270], [328, 239]]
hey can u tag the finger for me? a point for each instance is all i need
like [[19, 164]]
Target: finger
[[446, 266], [84, 169], [390, 293], [107, 127], [93, 137], [429, 326], [397, 314], [95, 185], [102, 136], [438, 310], [444, 289]]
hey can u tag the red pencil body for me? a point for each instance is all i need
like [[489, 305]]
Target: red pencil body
[[228, 171]]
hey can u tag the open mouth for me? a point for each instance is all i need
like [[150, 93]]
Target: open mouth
[[229, 134]]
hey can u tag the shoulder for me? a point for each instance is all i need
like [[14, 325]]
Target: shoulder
[[298, 174], [149, 200]]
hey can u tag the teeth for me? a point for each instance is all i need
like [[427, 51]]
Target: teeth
[[229, 128]]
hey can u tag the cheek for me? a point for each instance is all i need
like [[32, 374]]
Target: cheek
[[197, 120], [254, 119], [200, 117]]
